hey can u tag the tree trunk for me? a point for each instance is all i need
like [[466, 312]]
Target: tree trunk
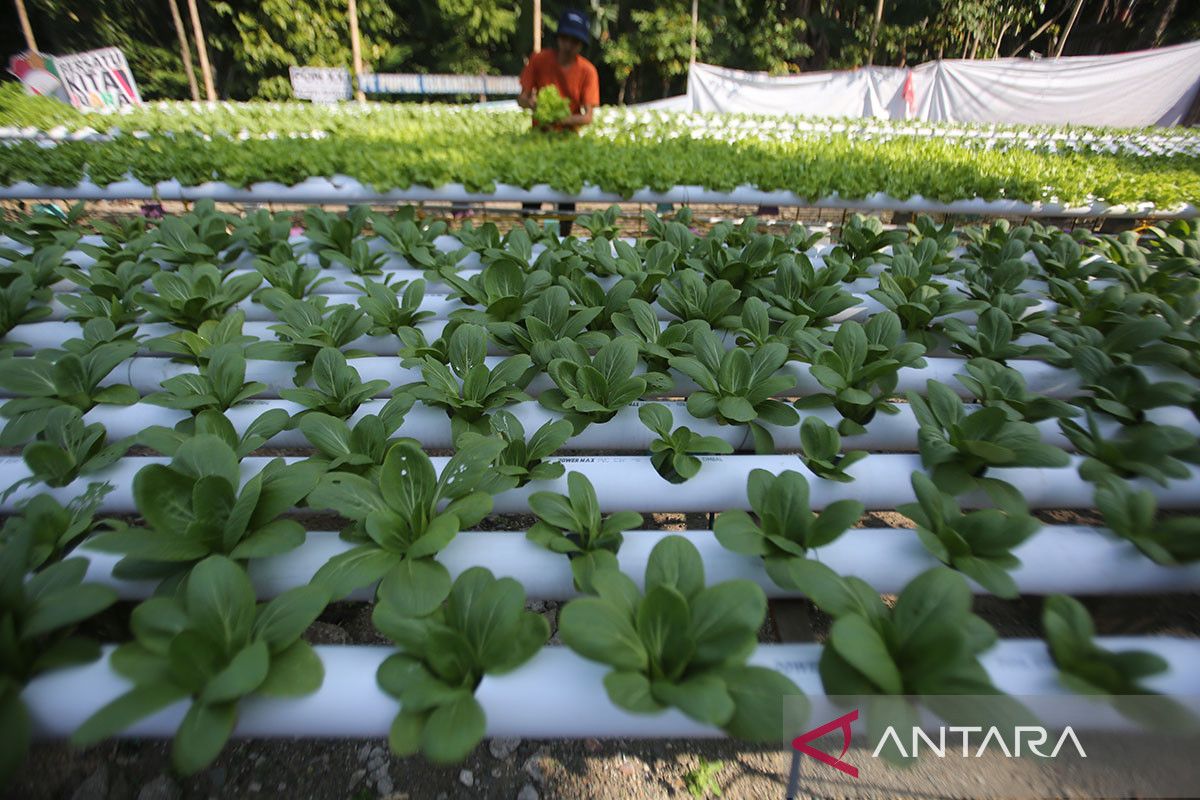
[[185, 50], [695, 25], [875, 32], [355, 49], [1164, 21], [1040, 30], [537, 26], [201, 49], [1062, 40], [26, 28], [1000, 38]]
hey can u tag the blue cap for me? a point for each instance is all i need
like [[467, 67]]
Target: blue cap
[[574, 23]]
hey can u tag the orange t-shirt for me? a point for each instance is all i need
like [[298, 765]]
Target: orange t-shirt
[[579, 83]]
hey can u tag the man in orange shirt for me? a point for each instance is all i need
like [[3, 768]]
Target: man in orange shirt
[[576, 78]]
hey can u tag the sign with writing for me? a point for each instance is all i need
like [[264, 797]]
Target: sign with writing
[[320, 84], [97, 79]]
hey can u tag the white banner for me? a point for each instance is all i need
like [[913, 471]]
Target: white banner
[[320, 84], [1149, 87]]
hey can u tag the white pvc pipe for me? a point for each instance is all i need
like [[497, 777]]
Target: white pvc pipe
[[625, 431], [145, 375], [340, 189], [630, 483], [886, 558], [557, 694]]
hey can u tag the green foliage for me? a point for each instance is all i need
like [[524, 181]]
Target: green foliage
[[197, 506], [213, 423], [359, 449], [737, 386], [467, 389], [210, 643], [388, 308], [1157, 452], [38, 613], [196, 293], [673, 452], [592, 389], [1131, 514], [220, 384], [482, 629], [860, 369], [821, 451], [523, 461], [54, 529], [978, 544], [308, 326], [702, 781], [339, 390], [67, 449], [551, 106], [401, 523], [1087, 668], [53, 379], [572, 525], [680, 644], [928, 643], [784, 527], [958, 448]]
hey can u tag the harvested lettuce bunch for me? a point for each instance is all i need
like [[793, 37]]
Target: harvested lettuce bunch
[[552, 107]]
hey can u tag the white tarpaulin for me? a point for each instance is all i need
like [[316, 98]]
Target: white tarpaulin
[[865, 92], [1149, 87]]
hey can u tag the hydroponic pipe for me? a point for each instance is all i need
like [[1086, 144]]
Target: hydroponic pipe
[[441, 306], [625, 431], [340, 189], [146, 375], [630, 483], [886, 558], [558, 694], [38, 336]]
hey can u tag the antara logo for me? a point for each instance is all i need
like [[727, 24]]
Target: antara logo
[[1033, 738]]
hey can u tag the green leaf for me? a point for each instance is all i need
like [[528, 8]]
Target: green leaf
[[355, 568], [758, 696], [139, 702], [676, 563], [281, 621], [453, 730], [704, 698], [631, 691], [245, 672], [294, 672], [66, 607], [853, 638], [415, 587], [202, 735], [220, 600], [599, 631]]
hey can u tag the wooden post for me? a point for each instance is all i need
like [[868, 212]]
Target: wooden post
[[537, 26], [26, 28], [1062, 40], [695, 25], [202, 50], [185, 50], [356, 50]]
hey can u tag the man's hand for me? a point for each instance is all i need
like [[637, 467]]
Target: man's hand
[[584, 117]]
